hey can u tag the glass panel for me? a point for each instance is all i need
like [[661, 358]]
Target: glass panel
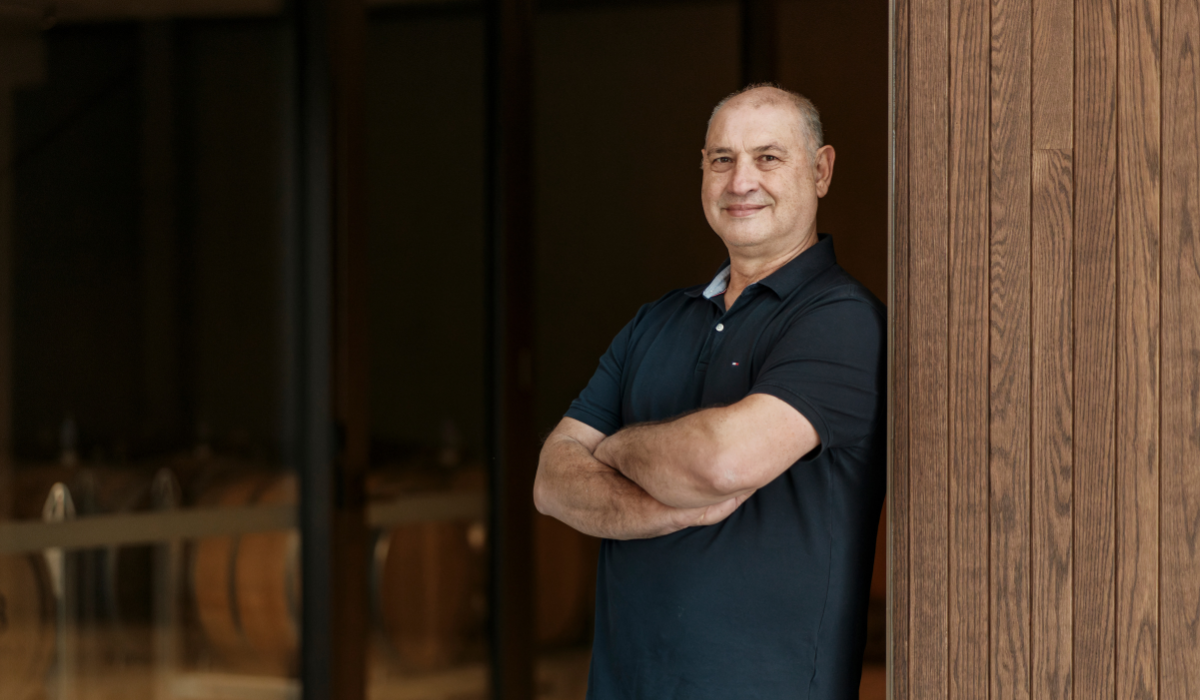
[[142, 354], [425, 146]]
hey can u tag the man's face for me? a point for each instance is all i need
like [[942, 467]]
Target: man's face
[[760, 189]]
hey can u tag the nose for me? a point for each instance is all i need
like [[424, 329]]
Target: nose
[[745, 176]]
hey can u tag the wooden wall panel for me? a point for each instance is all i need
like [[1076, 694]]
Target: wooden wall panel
[[1095, 168], [968, 350], [1137, 493], [1180, 585], [1093, 363], [927, 166], [1051, 422], [1010, 348]]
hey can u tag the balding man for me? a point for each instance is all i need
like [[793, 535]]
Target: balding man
[[730, 447]]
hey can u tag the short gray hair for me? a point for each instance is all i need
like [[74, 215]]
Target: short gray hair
[[810, 118]]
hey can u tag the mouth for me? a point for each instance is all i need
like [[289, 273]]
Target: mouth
[[743, 210]]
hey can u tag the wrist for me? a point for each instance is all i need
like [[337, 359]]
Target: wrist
[[606, 451]]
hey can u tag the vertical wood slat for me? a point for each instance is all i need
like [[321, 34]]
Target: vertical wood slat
[[1009, 432], [1180, 565], [1095, 166], [1051, 405], [967, 350], [927, 341], [898, 511], [1052, 377], [1053, 74], [1137, 350]]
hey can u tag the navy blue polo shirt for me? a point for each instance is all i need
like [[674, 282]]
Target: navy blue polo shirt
[[771, 602]]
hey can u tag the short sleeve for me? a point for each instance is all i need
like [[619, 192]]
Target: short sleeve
[[830, 365], [599, 405]]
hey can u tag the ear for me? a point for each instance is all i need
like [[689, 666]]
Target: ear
[[703, 157], [824, 168]]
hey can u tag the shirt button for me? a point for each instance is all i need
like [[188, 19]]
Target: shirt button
[[720, 327]]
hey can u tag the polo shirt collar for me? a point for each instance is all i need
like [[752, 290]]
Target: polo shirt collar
[[786, 279]]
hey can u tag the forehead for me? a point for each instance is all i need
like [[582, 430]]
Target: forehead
[[750, 123]]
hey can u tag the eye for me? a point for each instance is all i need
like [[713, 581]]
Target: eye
[[769, 158], [723, 159]]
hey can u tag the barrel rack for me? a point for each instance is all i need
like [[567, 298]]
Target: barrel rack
[[61, 533]]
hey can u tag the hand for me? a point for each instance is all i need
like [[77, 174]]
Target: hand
[[604, 453], [710, 515]]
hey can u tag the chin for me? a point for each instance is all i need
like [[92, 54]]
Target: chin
[[744, 236]]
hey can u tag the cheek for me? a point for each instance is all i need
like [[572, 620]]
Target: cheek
[[710, 192]]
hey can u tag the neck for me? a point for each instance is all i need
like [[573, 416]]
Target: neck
[[746, 269]]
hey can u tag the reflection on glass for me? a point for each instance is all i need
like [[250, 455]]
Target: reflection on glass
[[143, 354]]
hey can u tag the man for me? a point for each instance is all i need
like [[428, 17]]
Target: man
[[730, 447]]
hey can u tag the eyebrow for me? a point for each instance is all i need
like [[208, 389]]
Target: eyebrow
[[760, 149]]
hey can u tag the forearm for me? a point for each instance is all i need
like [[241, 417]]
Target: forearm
[[679, 462], [591, 497]]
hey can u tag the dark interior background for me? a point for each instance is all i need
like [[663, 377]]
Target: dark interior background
[[150, 179]]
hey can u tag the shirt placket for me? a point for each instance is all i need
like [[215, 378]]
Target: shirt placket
[[718, 329]]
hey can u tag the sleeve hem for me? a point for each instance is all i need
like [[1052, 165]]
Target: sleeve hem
[[603, 425], [805, 409]]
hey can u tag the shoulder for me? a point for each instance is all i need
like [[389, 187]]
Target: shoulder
[[668, 305], [836, 294]]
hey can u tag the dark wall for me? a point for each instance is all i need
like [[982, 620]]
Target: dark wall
[[425, 150], [836, 53], [624, 95], [75, 248], [97, 301], [235, 128]]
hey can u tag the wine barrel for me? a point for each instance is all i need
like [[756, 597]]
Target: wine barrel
[[426, 582], [428, 577], [113, 584], [266, 581], [228, 586], [26, 626]]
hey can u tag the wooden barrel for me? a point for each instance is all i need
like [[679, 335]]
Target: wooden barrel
[[266, 581], [26, 626], [113, 584], [240, 583], [428, 577]]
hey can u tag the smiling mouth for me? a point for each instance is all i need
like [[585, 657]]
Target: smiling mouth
[[743, 210]]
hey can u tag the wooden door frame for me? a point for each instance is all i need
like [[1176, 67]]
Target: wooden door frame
[[896, 509]]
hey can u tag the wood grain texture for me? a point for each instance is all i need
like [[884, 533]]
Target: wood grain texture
[[899, 508], [1051, 405], [1137, 501], [1053, 74], [1010, 349], [1180, 582], [968, 348], [927, 152], [1095, 166]]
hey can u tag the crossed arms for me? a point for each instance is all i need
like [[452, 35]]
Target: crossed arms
[[653, 479]]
